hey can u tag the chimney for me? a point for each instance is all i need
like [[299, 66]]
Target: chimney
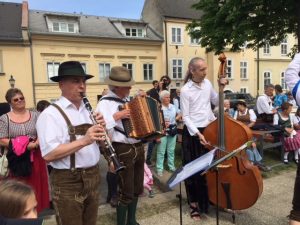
[[25, 15]]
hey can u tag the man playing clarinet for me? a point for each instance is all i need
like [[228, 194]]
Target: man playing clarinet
[[68, 138]]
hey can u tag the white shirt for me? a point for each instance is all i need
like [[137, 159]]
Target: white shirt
[[292, 78], [276, 119], [251, 114], [108, 108], [264, 104], [53, 131], [296, 119], [195, 104]]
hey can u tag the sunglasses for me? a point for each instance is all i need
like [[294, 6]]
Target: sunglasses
[[18, 99]]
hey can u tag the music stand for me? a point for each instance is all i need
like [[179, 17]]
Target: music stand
[[204, 163]]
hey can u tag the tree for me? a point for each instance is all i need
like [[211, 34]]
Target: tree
[[235, 22]]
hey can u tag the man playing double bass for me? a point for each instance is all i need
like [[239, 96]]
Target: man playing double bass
[[196, 97]]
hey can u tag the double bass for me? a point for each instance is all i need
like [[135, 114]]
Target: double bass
[[239, 182]]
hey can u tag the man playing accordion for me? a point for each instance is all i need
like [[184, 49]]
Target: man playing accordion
[[129, 151]]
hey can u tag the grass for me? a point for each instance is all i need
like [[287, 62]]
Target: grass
[[272, 159]]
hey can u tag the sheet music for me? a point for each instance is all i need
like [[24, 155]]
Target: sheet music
[[191, 168], [202, 164]]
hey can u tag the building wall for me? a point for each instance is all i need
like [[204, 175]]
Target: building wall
[[92, 52], [185, 51], [274, 62], [16, 62]]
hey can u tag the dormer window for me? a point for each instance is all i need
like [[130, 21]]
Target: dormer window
[[62, 23], [63, 27], [134, 32]]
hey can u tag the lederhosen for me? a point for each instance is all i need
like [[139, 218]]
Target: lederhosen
[[75, 191], [245, 119], [132, 156]]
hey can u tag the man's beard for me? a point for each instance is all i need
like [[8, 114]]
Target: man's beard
[[197, 79]]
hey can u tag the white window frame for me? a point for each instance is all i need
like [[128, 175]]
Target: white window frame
[[284, 47], [177, 68], [134, 32], [195, 41], [244, 90], [146, 71], [283, 83], [267, 78], [128, 65], [63, 26], [229, 71], [103, 72], [266, 49], [176, 38], [243, 70], [54, 70]]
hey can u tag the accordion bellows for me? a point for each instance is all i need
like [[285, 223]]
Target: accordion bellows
[[146, 119]]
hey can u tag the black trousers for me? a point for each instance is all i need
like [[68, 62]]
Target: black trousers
[[196, 186], [295, 213]]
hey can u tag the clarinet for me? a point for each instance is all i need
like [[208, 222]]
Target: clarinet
[[110, 149]]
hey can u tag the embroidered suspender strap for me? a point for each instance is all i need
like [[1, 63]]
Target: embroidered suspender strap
[[71, 131], [113, 99], [119, 101]]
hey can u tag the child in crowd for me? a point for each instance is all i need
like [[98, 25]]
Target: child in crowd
[[148, 180], [17, 200], [291, 137]]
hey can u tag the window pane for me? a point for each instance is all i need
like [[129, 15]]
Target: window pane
[[71, 27], [127, 32], [104, 69], [173, 34], [52, 69], [140, 32], [55, 26], [133, 32], [63, 27], [178, 35]]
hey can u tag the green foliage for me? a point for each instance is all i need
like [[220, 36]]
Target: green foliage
[[234, 22]]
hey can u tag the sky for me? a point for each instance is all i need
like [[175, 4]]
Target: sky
[[130, 9]]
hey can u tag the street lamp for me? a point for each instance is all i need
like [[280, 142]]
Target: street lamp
[[12, 81]]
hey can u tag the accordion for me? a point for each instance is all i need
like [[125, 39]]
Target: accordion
[[146, 119]]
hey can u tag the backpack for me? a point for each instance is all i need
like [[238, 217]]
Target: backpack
[[19, 166]]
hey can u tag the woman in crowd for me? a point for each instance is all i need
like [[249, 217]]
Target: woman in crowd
[[20, 122], [167, 143], [291, 137]]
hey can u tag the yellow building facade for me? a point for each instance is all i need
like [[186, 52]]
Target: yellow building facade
[[15, 57], [91, 53], [154, 46]]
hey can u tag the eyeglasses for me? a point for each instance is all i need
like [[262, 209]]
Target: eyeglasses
[[18, 99]]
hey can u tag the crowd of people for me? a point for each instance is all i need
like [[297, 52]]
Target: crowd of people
[[68, 137]]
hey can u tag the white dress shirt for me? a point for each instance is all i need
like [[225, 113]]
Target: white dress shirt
[[53, 131], [264, 104], [108, 108], [292, 78], [195, 104]]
